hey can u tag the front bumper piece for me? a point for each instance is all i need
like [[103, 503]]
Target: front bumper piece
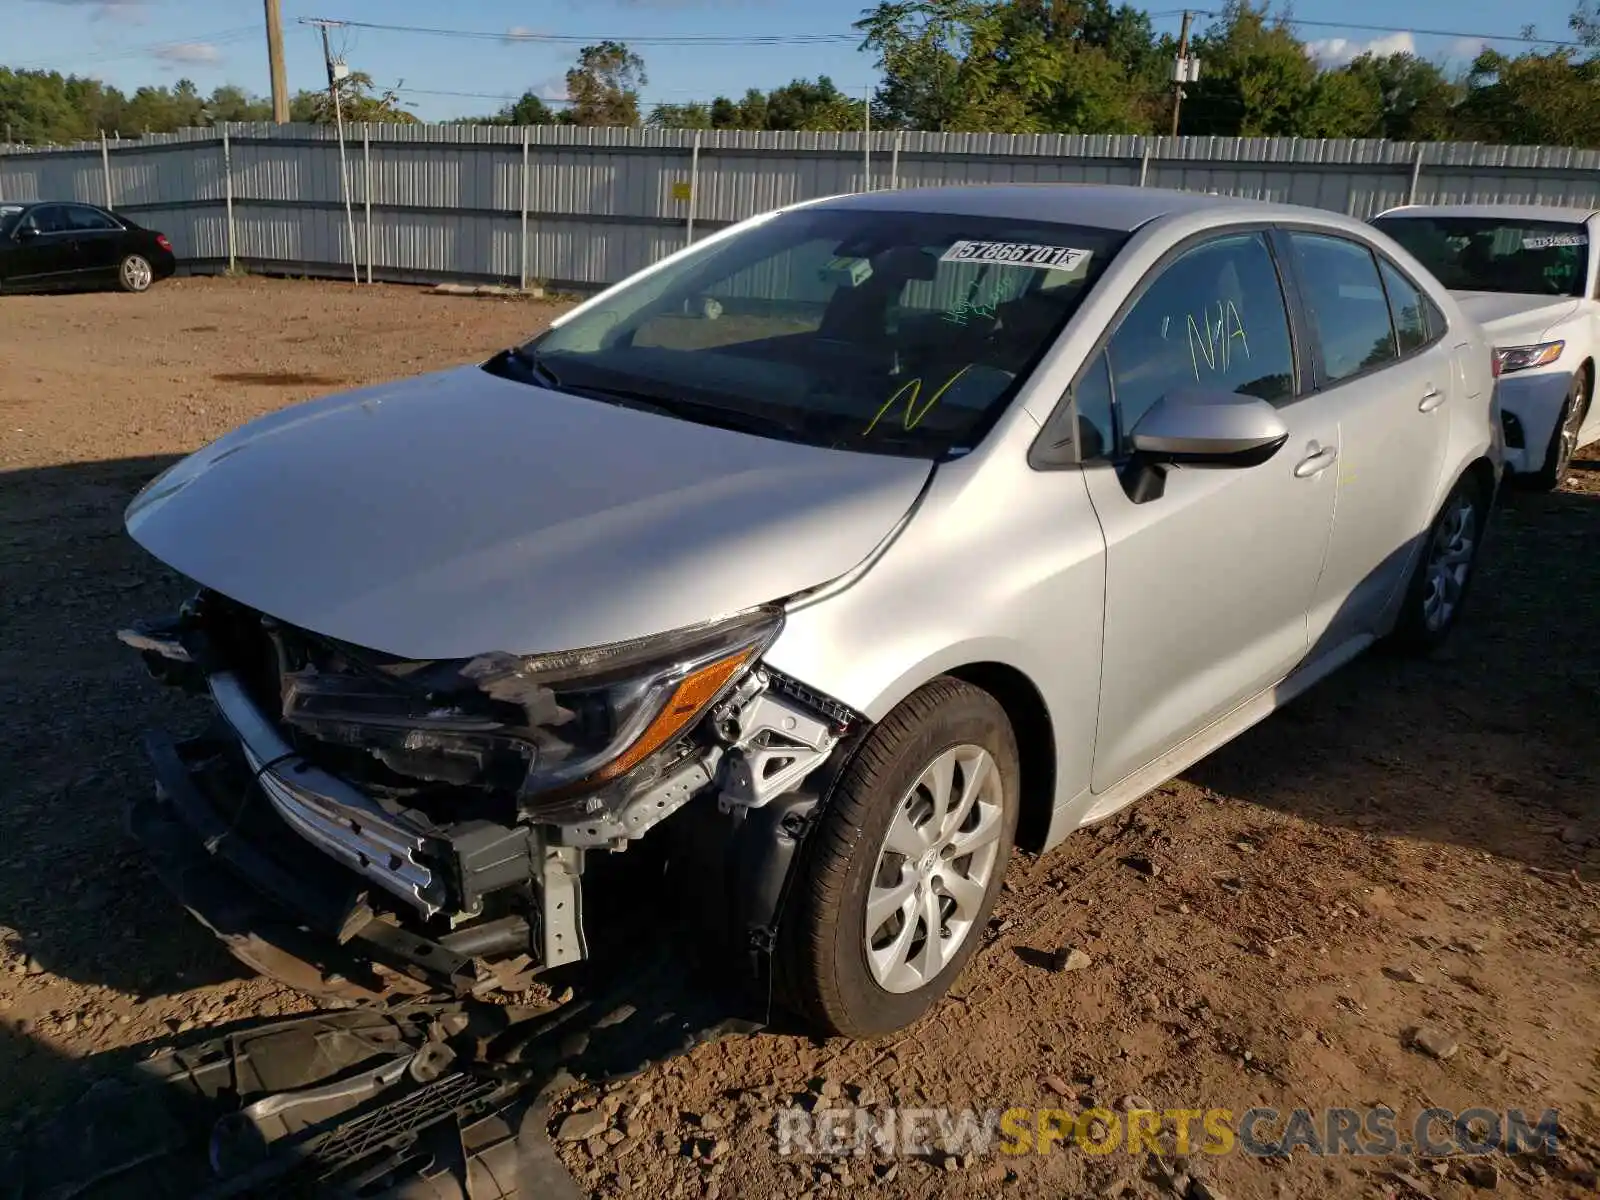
[[226, 849]]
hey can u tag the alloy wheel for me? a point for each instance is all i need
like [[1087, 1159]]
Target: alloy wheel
[[1450, 561], [934, 869], [136, 273]]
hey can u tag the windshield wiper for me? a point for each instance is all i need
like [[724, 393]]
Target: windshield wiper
[[528, 362], [762, 424]]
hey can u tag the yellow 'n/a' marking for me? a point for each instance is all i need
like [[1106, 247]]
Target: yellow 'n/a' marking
[[913, 415]]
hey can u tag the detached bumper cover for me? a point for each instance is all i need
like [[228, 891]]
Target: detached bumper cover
[[216, 855]]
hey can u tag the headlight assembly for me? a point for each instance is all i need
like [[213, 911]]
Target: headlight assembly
[[1521, 358], [546, 725]]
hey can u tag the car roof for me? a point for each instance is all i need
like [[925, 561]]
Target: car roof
[[1101, 206], [1508, 212]]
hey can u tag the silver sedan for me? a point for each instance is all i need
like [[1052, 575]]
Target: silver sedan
[[856, 543]]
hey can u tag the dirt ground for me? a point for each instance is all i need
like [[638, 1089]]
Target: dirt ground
[[1411, 845]]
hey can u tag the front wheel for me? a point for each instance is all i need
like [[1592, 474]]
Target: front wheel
[[1443, 574], [135, 274], [900, 876], [1564, 439]]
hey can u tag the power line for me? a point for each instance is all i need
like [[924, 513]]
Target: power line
[[1414, 31], [763, 39]]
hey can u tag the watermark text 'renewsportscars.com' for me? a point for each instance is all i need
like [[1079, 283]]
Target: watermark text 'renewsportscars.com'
[[1258, 1132]]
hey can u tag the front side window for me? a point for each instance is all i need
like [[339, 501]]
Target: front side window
[[1349, 310], [1214, 318], [1489, 254], [10, 215], [47, 218], [880, 331]]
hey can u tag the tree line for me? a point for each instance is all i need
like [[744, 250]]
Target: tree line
[[1005, 66]]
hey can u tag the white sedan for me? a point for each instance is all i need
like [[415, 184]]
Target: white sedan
[[1529, 275]]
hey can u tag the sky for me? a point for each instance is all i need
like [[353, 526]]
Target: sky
[[133, 42]]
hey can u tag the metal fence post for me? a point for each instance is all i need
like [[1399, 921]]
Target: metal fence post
[[1416, 173], [227, 194], [105, 166], [694, 187], [1144, 164], [894, 161], [866, 142], [366, 190], [523, 276]]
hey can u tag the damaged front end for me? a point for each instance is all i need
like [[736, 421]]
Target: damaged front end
[[361, 824]]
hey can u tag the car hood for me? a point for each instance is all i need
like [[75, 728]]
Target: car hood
[[459, 513], [1511, 318]]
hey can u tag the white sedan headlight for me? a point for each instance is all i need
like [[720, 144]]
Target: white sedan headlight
[[1521, 358]]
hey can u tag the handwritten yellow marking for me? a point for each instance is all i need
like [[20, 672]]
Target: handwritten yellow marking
[[1238, 329], [1216, 342], [913, 415]]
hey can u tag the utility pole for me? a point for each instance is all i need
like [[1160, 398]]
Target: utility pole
[[1181, 71], [280, 83], [337, 70]]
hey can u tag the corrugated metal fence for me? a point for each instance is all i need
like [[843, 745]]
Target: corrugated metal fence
[[585, 207]]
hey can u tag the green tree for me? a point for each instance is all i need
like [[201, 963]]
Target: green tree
[[1256, 78], [680, 116], [358, 101], [603, 87], [921, 46], [1415, 100], [1532, 99]]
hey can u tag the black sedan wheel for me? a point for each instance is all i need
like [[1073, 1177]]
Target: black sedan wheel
[[135, 274]]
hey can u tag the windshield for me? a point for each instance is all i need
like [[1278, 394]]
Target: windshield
[[1486, 254], [886, 332], [8, 218]]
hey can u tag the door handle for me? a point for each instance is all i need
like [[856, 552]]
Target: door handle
[[1315, 463], [1431, 399]]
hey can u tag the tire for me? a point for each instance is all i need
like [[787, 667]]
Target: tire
[[135, 274], [1564, 438], [825, 972], [1438, 589]]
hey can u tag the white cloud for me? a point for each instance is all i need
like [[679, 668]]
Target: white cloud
[[520, 33], [129, 9], [187, 53], [1335, 52], [1465, 49]]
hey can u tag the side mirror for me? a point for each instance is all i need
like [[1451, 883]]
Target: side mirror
[[27, 233], [1203, 427]]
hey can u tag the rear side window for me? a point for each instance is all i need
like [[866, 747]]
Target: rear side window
[[1213, 318], [1407, 309], [1349, 310], [88, 219]]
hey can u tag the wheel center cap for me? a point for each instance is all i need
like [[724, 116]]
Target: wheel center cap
[[929, 861]]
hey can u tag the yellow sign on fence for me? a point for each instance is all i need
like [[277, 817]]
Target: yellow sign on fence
[[681, 190]]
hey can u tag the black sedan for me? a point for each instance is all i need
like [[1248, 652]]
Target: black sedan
[[50, 246]]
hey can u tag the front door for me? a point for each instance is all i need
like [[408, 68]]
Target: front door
[[1208, 585], [44, 253], [1390, 379]]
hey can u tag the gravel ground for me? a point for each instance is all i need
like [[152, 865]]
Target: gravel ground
[[1412, 846]]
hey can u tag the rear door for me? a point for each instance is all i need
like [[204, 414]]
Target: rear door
[[1389, 379], [99, 242], [1207, 585]]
